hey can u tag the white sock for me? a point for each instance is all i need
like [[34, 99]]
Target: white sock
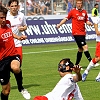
[[98, 76], [89, 67]]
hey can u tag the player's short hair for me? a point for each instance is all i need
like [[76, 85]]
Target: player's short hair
[[96, 4], [79, 0], [3, 10], [10, 1], [66, 63]]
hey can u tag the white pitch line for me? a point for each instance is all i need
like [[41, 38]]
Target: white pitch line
[[52, 51]]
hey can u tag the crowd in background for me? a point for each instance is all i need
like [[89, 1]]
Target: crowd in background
[[44, 7]]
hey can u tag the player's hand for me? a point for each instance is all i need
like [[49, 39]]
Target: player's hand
[[89, 23], [58, 26], [23, 37], [77, 69]]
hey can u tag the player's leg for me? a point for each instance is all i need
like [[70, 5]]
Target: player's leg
[[86, 52], [19, 78], [40, 98], [5, 91], [4, 79], [92, 62], [79, 56], [80, 50]]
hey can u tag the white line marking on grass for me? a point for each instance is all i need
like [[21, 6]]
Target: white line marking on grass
[[52, 51]]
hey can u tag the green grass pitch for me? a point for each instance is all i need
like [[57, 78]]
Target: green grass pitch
[[40, 70]]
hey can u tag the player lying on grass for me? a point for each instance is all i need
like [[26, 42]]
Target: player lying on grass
[[66, 88]]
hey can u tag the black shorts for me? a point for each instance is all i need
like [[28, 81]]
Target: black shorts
[[5, 68], [80, 40]]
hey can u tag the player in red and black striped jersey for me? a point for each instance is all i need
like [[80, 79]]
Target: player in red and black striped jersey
[[79, 18], [9, 58]]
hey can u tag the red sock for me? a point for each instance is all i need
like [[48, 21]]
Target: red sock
[[93, 60]]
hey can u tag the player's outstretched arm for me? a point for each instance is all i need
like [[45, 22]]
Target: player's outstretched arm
[[96, 29], [22, 37], [61, 23], [78, 76]]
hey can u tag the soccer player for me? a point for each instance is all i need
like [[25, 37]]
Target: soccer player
[[18, 25], [79, 18], [66, 88], [96, 21], [9, 58]]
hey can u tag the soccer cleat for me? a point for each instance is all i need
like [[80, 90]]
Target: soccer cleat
[[26, 94], [97, 64], [98, 78], [84, 76]]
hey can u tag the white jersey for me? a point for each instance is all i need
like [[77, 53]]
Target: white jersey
[[66, 89], [16, 21], [96, 20]]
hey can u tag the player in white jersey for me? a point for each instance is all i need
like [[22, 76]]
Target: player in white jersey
[[66, 88], [18, 25], [96, 21]]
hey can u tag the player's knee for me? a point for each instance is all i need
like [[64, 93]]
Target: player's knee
[[6, 91], [16, 69], [15, 66], [85, 48]]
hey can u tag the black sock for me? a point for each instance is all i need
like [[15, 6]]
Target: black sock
[[19, 79], [87, 54], [4, 97], [78, 59]]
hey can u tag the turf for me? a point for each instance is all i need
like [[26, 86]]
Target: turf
[[40, 70]]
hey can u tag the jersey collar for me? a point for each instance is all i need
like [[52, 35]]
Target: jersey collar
[[10, 14], [79, 10]]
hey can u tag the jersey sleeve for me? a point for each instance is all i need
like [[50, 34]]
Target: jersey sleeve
[[69, 16], [8, 23], [86, 17]]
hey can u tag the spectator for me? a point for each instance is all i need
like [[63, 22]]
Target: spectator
[[48, 5], [54, 5], [36, 7], [5, 2], [30, 10], [65, 4], [70, 5], [22, 5], [89, 5], [98, 2], [95, 10], [42, 6]]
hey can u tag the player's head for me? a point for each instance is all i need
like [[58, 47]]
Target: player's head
[[96, 5], [79, 4], [13, 6], [3, 13], [65, 65]]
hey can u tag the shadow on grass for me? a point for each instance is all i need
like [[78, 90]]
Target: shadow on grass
[[25, 86]]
